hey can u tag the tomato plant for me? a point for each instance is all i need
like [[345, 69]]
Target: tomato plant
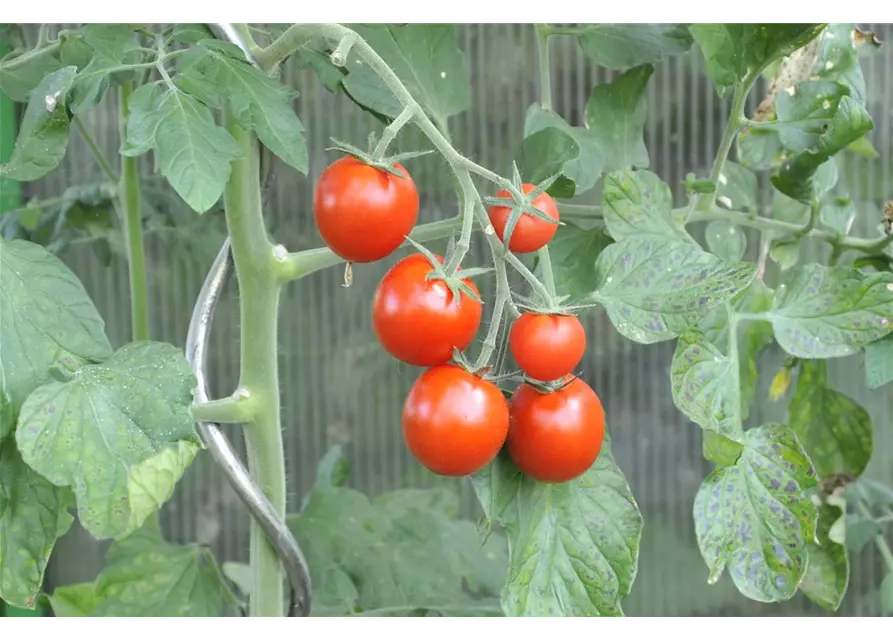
[[547, 347], [362, 212], [103, 432], [556, 436], [454, 422]]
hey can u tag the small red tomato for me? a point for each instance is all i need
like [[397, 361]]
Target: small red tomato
[[547, 347], [454, 422], [557, 436], [530, 233], [363, 213], [417, 320]]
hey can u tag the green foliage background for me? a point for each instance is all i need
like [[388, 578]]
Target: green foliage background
[[340, 388]]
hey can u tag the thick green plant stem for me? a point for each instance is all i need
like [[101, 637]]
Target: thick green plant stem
[[542, 42], [256, 270], [131, 220]]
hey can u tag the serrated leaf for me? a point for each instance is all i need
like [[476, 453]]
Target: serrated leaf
[[118, 415], [573, 252], [734, 51], [43, 132], [805, 111], [725, 240], [621, 46], [190, 33], [639, 203], [33, 515], [706, 385], [402, 554], [616, 113], [257, 101], [828, 312], [755, 517], [144, 107], [838, 60], [655, 289], [17, 82], [193, 152], [48, 321], [828, 571], [147, 576], [737, 187], [74, 51], [796, 176], [720, 450], [113, 45], [425, 57], [573, 546], [329, 75], [585, 169], [879, 363], [544, 154], [833, 428]]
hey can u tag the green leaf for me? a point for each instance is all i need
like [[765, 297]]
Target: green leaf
[[720, 450], [573, 252], [796, 176], [329, 75], [755, 517], [860, 531], [805, 110], [48, 321], [863, 147], [333, 469], [194, 153], [151, 483], [735, 51], [828, 312], [874, 494], [706, 386], [113, 45], [832, 427], [620, 46], [33, 515], [398, 555], [654, 289], [257, 101], [737, 188], [545, 153], [828, 570], [879, 363], [19, 81], [616, 113], [118, 415], [573, 546], [639, 203], [838, 60], [73, 600], [725, 240], [838, 215], [425, 57], [74, 51], [584, 170], [190, 33], [43, 132], [759, 149], [147, 576]]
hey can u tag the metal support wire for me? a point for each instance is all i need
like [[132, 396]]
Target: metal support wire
[[275, 528]]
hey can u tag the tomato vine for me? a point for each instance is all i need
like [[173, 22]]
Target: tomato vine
[[535, 441]]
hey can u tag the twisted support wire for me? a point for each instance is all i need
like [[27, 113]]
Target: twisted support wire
[[273, 526]]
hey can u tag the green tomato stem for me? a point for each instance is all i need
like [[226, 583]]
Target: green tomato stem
[[542, 48], [256, 270], [237, 409], [131, 220], [546, 266], [29, 56], [95, 151], [390, 132]]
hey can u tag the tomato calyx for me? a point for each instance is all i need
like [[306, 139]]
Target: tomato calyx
[[550, 386], [454, 282], [521, 203], [383, 163]]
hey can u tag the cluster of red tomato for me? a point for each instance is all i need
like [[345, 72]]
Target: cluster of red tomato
[[454, 421]]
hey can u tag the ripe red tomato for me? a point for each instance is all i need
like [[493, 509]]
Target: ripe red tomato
[[364, 213], [454, 422], [417, 320], [530, 233], [555, 437], [547, 347]]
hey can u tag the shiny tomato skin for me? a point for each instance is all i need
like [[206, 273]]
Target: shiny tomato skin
[[546, 346], [363, 213], [530, 233], [417, 320], [454, 422], [555, 437]]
